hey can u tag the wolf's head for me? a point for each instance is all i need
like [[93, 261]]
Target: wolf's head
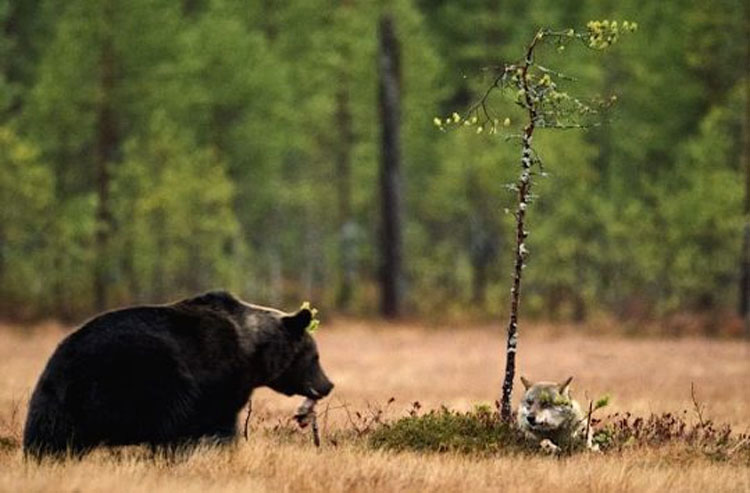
[[548, 411]]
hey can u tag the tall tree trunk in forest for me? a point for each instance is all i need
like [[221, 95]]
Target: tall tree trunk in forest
[[190, 7], [3, 306], [483, 241], [160, 268], [129, 271], [494, 36], [106, 145], [612, 186], [744, 304], [270, 28], [389, 74], [276, 277], [483, 238], [344, 192]]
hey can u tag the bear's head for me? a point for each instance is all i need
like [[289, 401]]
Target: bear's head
[[279, 349], [304, 375]]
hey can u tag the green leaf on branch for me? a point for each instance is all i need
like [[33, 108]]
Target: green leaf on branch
[[314, 322]]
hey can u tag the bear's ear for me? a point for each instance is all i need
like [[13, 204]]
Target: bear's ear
[[297, 323]]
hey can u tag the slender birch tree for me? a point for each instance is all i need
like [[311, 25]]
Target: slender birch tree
[[538, 91]]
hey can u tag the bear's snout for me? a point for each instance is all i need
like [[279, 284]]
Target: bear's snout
[[320, 387], [326, 388]]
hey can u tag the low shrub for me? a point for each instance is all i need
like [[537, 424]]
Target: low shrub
[[480, 431], [719, 442], [444, 430]]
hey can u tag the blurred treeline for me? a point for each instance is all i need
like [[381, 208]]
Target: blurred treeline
[[154, 148]]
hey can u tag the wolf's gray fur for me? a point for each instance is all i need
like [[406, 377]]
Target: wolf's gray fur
[[548, 415]]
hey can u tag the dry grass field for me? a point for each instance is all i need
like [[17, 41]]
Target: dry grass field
[[370, 363]]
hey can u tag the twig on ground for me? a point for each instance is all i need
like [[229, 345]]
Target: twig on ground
[[325, 416], [589, 434], [697, 405], [738, 446], [345, 406], [247, 419], [315, 431], [366, 420]]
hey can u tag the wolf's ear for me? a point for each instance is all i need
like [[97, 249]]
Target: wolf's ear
[[526, 383], [297, 323], [565, 386]]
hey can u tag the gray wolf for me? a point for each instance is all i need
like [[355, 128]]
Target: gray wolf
[[549, 415]]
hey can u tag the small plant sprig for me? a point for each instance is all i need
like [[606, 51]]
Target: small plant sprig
[[537, 90], [533, 86], [314, 322], [600, 403]]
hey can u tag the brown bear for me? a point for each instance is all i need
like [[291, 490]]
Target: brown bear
[[168, 375]]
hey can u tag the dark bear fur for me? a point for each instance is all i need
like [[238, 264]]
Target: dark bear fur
[[168, 375]]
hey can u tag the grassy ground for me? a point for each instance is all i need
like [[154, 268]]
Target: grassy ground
[[457, 368]]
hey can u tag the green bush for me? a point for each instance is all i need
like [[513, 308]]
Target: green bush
[[482, 432], [478, 431]]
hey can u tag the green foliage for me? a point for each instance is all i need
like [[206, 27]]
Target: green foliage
[[314, 322], [603, 34], [228, 136], [27, 196], [601, 402], [481, 432], [173, 209], [702, 206], [474, 432]]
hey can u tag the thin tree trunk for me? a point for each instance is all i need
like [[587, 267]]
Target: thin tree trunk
[[130, 271], [104, 154], [744, 287], [276, 275], [524, 188], [481, 247], [579, 303], [269, 20], [343, 188], [310, 254], [494, 36], [744, 302], [190, 7], [160, 269], [390, 177], [3, 305], [478, 280]]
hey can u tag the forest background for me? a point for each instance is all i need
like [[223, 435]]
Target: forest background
[[150, 149]]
